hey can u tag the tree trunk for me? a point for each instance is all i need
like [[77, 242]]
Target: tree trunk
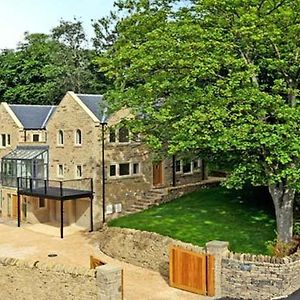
[[283, 199]]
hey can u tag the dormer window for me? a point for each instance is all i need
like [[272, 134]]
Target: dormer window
[[78, 137], [60, 137], [123, 135]]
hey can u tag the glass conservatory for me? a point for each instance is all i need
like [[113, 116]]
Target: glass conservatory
[[24, 162]]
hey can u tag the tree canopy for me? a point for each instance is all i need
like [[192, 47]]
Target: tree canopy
[[44, 67], [218, 77]]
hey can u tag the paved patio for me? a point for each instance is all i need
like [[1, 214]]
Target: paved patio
[[75, 249]]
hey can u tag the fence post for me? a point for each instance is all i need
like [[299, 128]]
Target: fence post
[[218, 249], [109, 280]]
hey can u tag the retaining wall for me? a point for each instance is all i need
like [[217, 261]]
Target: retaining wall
[[141, 248], [243, 276]]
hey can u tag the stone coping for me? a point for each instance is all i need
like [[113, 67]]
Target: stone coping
[[35, 264], [252, 258]]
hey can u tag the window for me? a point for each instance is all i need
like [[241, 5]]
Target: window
[[3, 140], [186, 166], [112, 170], [42, 203], [178, 166], [60, 170], [124, 169], [78, 137], [35, 137], [78, 171], [196, 164], [8, 139], [123, 135], [136, 168], [112, 136], [60, 137]]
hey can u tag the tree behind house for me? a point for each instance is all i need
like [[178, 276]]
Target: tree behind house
[[226, 74]]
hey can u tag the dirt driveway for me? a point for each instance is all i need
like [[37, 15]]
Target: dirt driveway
[[75, 249]]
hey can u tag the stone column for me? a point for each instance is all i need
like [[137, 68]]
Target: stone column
[[218, 249], [109, 282]]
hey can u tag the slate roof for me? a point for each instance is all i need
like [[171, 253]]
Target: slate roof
[[33, 116], [95, 103]]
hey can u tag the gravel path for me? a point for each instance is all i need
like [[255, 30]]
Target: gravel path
[[75, 249]]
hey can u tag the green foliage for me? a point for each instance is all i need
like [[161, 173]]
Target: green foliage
[[280, 249], [216, 213], [44, 67], [217, 77]]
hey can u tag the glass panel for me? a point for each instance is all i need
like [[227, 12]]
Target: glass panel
[[112, 170], [112, 136], [177, 166], [136, 168], [124, 169], [186, 168], [123, 135]]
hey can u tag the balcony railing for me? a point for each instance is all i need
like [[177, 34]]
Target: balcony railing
[[55, 188]]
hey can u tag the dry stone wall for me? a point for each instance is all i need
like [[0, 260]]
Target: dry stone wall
[[36, 280], [141, 248], [259, 277]]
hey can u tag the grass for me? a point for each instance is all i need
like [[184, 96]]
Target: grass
[[244, 218]]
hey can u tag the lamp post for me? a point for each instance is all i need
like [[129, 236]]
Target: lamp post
[[103, 124]]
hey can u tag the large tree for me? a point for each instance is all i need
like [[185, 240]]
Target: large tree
[[218, 77], [44, 67]]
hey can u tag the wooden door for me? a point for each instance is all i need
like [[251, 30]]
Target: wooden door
[[193, 272], [157, 173], [14, 206]]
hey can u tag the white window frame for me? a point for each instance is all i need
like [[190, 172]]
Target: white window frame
[[131, 174], [76, 139], [58, 171], [3, 138], [118, 136], [58, 138], [76, 171]]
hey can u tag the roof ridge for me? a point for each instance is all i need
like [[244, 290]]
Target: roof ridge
[[48, 116], [89, 94], [36, 105]]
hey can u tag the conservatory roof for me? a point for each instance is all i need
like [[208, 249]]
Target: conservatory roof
[[26, 153]]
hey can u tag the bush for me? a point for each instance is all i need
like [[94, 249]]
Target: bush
[[280, 249]]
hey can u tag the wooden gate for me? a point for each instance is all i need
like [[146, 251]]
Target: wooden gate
[[193, 272]]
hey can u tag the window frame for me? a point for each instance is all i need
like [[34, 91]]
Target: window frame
[[77, 167], [78, 137], [3, 140], [58, 170], [35, 135], [128, 135], [60, 138]]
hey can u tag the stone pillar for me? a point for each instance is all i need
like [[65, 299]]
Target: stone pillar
[[218, 249], [109, 282]]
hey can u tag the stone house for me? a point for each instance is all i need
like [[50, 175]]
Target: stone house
[[61, 148]]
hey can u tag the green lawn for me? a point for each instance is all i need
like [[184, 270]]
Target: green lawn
[[244, 218]]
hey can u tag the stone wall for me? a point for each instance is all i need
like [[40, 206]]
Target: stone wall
[[178, 191], [141, 248], [259, 277], [36, 280], [241, 276]]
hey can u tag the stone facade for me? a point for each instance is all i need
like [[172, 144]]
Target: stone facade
[[36, 280], [68, 158]]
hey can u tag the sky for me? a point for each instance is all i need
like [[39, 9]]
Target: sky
[[39, 16]]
